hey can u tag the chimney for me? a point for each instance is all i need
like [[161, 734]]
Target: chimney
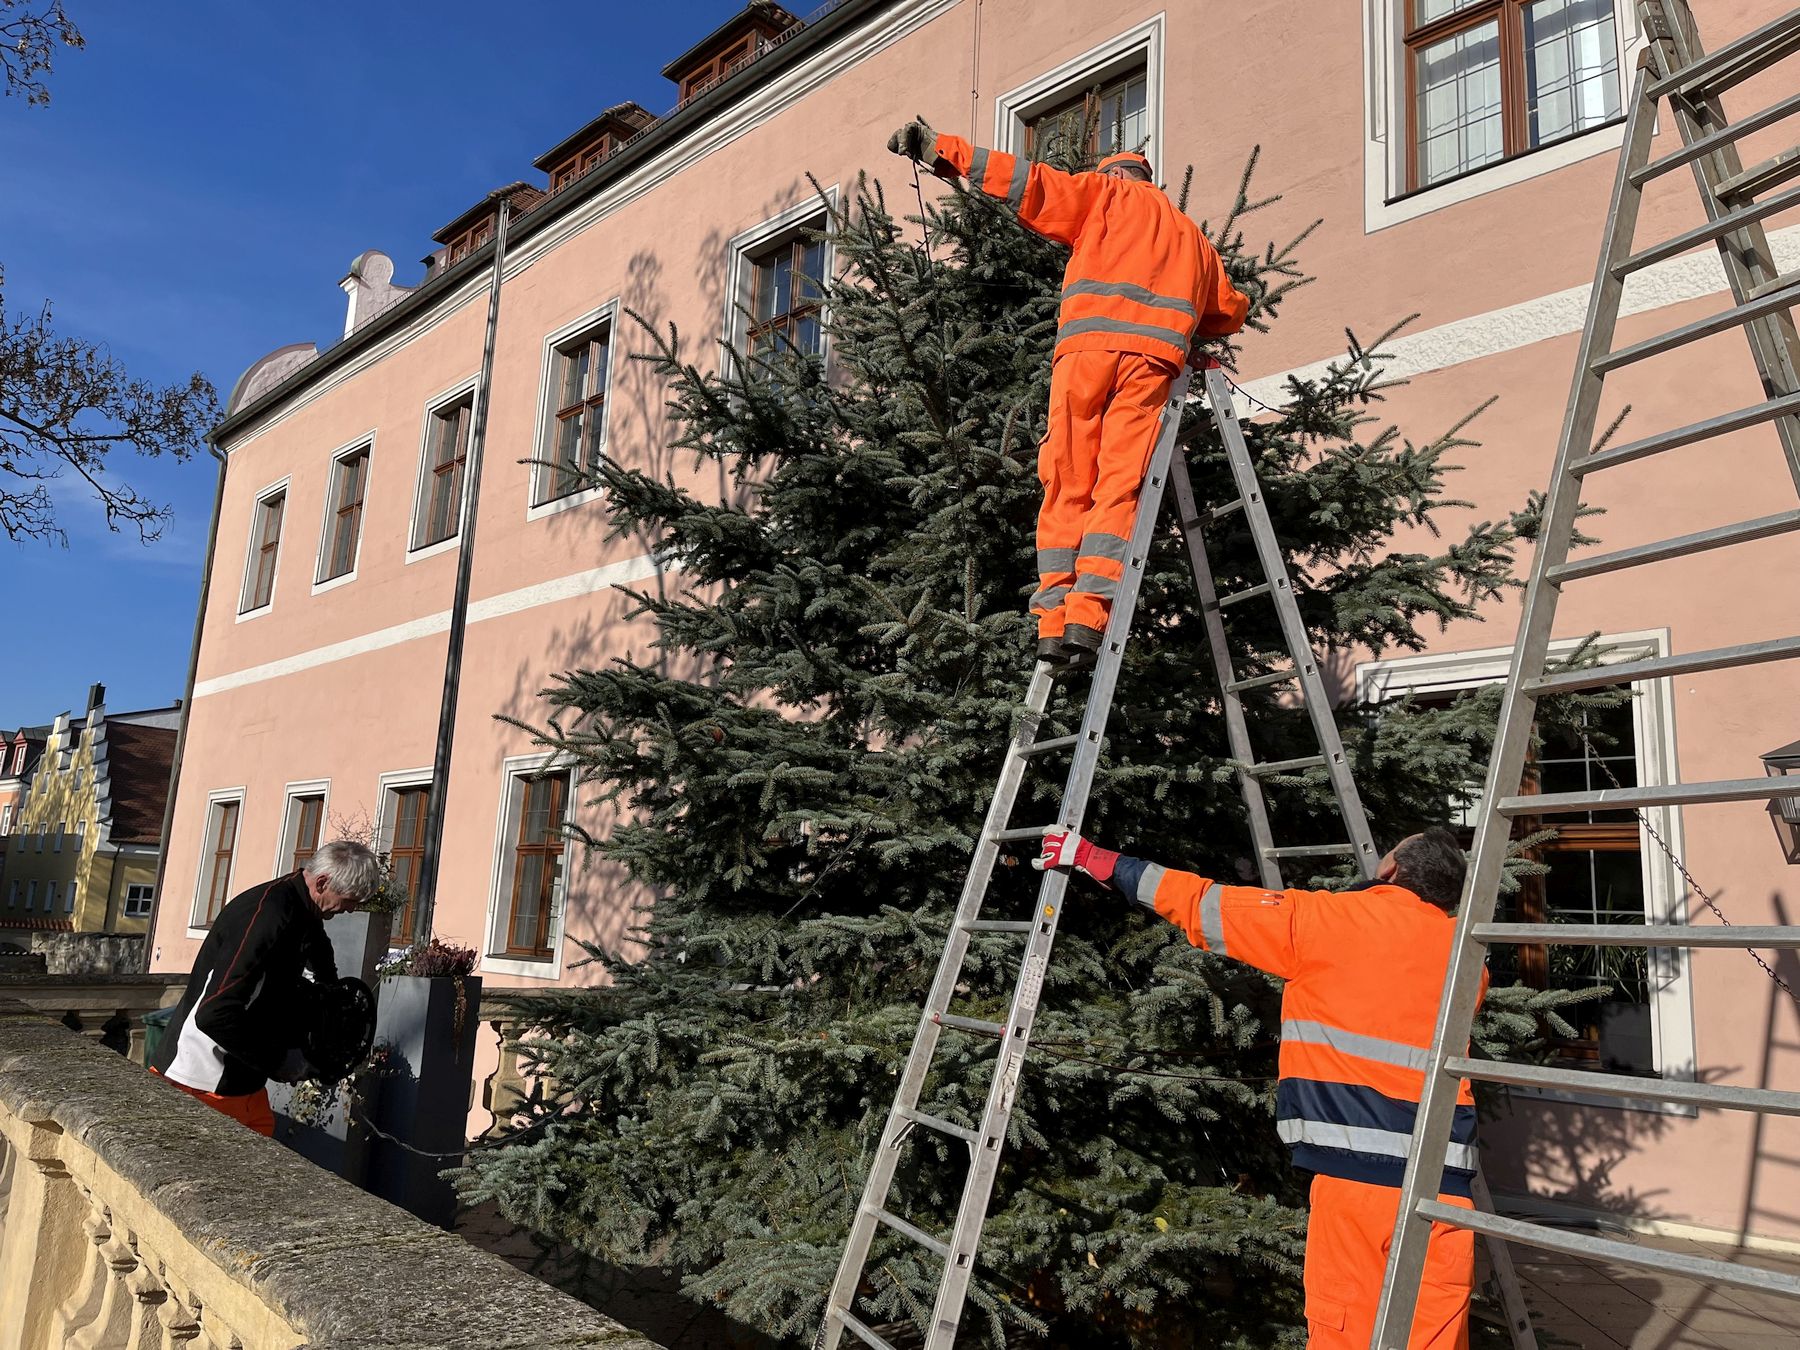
[[96, 696]]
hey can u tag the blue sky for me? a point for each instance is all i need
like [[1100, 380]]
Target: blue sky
[[202, 178]]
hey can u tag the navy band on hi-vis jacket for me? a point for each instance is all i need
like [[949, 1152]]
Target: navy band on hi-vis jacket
[[1352, 1131], [1127, 872]]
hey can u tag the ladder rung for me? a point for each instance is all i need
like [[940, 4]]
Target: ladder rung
[[1704, 145], [913, 1231], [1733, 63], [1735, 317], [1732, 220], [1258, 681], [863, 1333], [974, 1024], [1307, 850], [1637, 935], [1682, 663], [1764, 527], [997, 926], [1250, 593], [1783, 282], [1275, 766], [1718, 1095], [1661, 794], [1023, 832], [1230, 508], [1723, 424], [1045, 747], [1704, 1269], [1772, 172], [941, 1125]]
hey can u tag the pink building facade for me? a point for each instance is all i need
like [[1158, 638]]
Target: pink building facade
[[1444, 192]]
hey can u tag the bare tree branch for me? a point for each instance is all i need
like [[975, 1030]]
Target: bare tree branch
[[66, 405], [29, 33]]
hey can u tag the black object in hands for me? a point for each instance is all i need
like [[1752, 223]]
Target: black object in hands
[[340, 1028]]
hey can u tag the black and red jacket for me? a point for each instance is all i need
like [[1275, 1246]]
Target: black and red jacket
[[244, 1008]]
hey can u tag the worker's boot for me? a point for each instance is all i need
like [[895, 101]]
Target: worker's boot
[[1051, 649], [1081, 646]]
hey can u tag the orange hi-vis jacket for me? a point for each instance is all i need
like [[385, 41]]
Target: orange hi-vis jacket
[[1141, 278], [1365, 972]]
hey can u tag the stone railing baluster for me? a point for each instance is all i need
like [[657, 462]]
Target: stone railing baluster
[[83, 1303], [110, 1326]]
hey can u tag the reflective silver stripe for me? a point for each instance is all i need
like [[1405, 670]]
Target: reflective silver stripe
[[1127, 291], [1100, 324], [1212, 920], [1049, 598], [1052, 561], [1109, 546], [1363, 1139], [1148, 880], [1089, 584], [978, 166], [1015, 190], [1355, 1043]]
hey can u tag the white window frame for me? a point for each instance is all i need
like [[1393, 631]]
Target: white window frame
[[513, 770], [1385, 199], [290, 818], [1144, 44], [335, 462], [385, 785], [148, 898], [458, 391], [6, 815], [1653, 725], [12, 893], [50, 895], [57, 841], [30, 894], [740, 276], [606, 316], [262, 497], [69, 895], [198, 926]]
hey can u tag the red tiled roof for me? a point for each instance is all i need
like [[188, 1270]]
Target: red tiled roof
[[36, 925], [138, 760]]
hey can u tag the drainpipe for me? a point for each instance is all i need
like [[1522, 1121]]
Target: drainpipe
[[187, 711], [426, 899]]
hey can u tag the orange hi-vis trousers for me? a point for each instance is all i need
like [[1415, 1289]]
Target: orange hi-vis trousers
[[252, 1109], [1105, 411], [1347, 1240]]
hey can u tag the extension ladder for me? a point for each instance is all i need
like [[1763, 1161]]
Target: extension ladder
[[1676, 68], [958, 1249]]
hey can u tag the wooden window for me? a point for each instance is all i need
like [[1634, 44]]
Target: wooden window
[[221, 844], [309, 815], [579, 373], [1101, 121], [787, 290], [265, 545], [446, 457], [1490, 79], [406, 855], [137, 900], [537, 863], [350, 476]]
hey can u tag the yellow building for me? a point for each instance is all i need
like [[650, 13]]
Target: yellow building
[[83, 838]]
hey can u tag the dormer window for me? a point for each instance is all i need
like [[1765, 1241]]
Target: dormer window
[[576, 155], [729, 48]]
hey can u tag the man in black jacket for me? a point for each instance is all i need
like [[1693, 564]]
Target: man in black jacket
[[242, 1019]]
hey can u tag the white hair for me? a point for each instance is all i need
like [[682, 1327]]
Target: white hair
[[349, 868]]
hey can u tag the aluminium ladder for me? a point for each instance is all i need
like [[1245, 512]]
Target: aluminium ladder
[[958, 1249], [1674, 67]]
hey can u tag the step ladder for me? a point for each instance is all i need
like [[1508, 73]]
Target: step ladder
[[958, 1249], [1677, 69]]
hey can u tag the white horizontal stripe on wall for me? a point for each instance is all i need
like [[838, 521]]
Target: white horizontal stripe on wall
[[640, 568]]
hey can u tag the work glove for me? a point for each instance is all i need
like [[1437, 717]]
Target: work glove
[[1065, 848], [915, 140], [294, 1068]]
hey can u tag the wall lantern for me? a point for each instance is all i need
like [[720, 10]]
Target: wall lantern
[[1785, 811]]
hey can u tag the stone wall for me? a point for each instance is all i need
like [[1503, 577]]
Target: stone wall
[[131, 1215], [90, 953]]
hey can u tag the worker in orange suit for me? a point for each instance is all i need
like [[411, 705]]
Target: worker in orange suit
[[1365, 973], [1142, 284]]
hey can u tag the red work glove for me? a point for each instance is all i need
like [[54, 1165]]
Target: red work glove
[[1065, 848]]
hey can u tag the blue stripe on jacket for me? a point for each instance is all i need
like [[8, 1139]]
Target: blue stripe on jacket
[[1359, 1107]]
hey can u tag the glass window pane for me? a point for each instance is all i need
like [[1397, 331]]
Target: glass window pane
[[530, 879], [1458, 103], [1427, 11], [781, 282], [598, 372], [806, 335], [1571, 67], [764, 307]]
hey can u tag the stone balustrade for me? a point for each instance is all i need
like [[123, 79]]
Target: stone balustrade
[[108, 1008], [134, 1218]]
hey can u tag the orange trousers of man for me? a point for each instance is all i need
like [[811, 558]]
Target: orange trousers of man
[[1347, 1241], [1105, 411], [251, 1109]]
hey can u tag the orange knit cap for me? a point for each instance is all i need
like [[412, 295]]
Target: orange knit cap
[[1126, 157]]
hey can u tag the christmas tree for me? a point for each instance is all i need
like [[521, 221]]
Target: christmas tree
[[802, 762]]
